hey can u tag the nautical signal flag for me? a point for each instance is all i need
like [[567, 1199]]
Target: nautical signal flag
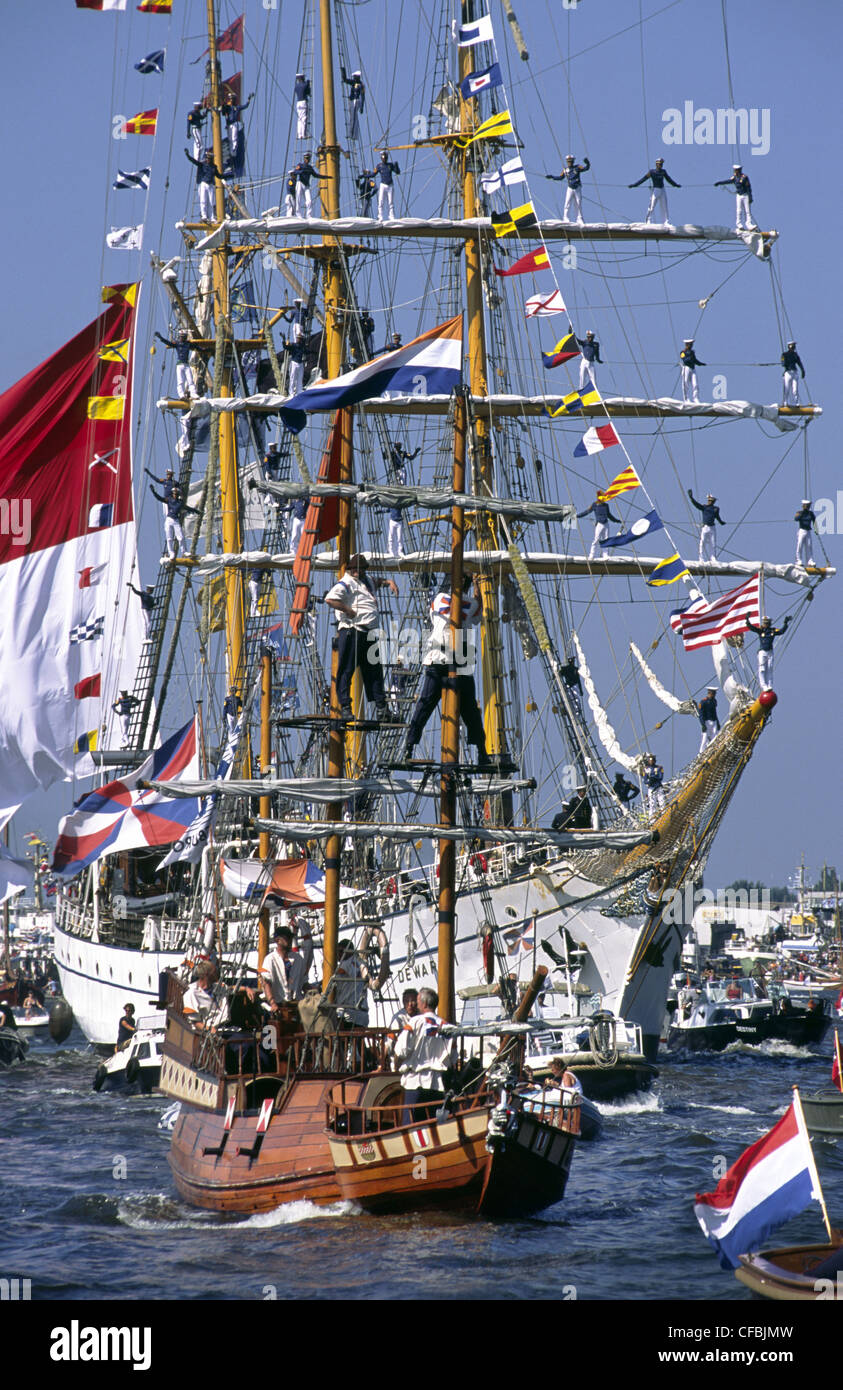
[[138, 178], [153, 62], [599, 437], [89, 688], [705, 624], [124, 238], [100, 515], [106, 407], [478, 31], [156, 6], [534, 260], [624, 482], [510, 172], [667, 571], [565, 349], [515, 221], [231, 39], [86, 743], [90, 576], [100, 4], [575, 402], [127, 292], [143, 123], [117, 351], [481, 81], [542, 306], [492, 129], [644, 526]]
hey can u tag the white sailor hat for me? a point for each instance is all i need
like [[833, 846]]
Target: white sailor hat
[[806, 501], [687, 340]]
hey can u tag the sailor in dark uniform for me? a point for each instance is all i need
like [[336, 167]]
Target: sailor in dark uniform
[[570, 674], [573, 194], [232, 705], [805, 535], [206, 172], [123, 709], [297, 352], [602, 517], [148, 602], [743, 200], [291, 179], [658, 176], [304, 172], [690, 362], [385, 170], [301, 96], [791, 361], [398, 460], [295, 313], [356, 101], [366, 186], [710, 517], [625, 791], [575, 814], [298, 512], [590, 353], [709, 721], [256, 578], [175, 510], [168, 482], [185, 384], [271, 463], [196, 118], [236, 138], [653, 781], [767, 635]]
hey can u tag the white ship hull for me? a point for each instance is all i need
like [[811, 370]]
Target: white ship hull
[[98, 980]]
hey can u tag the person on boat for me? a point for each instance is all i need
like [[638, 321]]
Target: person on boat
[[570, 674], [710, 517], [602, 516], [304, 172], [353, 598], [658, 177], [385, 170], [283, 973], [367, 329], [440, 659], [297, 352], [805, 519], [654, 781], [356, 101], [123, 707], [168, 482], [690, 362], [206, 173], [589, 354], [290, 181], [767, 635], [31, 1005], [127, 1027], [231, 113], [185, 381], [301, 96], [743, 199], [395, 342], [423, 1056], [625, 791], [394, 532], [295, 313], [399, 458], [709, 720], [408, 1011], [256, 579], [196, 118], [272, 464], [232, 705], [575, 813], [148, 602], [350, 987], [573, 193], [204, 1006], [791, 362], [176, 508], [298, 512], [366, 189]]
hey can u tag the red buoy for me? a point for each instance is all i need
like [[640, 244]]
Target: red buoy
[[767, 699]]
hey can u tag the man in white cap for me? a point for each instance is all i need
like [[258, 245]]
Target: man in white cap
[[805, 535], [356, 101], [590, 350], [658, 198], [709, 721], [573, 194], [767, 635], [385, 170], [710, 517], [690, 362], [743, 200], [791, 362]]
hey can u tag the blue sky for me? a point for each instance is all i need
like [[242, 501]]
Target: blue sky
[[65, 80]]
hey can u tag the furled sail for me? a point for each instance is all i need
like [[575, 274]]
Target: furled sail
[[605, 732], [672, 701]]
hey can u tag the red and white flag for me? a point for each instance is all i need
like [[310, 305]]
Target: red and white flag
[[541, 306], [836, 1068], [599, 437], [706, 624]]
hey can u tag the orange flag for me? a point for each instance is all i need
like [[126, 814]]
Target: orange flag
[[322, 522], [143, 123]]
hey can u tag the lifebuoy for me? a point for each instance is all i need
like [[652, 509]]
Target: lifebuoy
[[391, 888], [378, 981], [132, 1069], [480, 863], [99, 1078], [488, 957]]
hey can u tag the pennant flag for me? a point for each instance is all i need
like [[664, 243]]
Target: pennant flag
[[509, 173], [143, 123], [101, 514], [90, 576], [597, 438], [565, 349], [118, 816], [115, 352], [153, 62], [87, 689], [106, 407], [86, 632], [322, 520], [231, 39], [100, 4], [128, 179], [575, 402], [544, 306], [86, 743], [624, 482], [772, 1181], [156, 6], [189, 846], [534, 260], [428, 365], [644, 526], [519, 218], [128, 293], [481, 81], [705, 624], [668, 571], [492, 129], [479, 31], [124, 238]]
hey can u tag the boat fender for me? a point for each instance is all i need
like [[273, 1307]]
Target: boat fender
[[381, 949], [99, 1078], [61, 1020], [489, 957], [132, 1069], [480, 863]]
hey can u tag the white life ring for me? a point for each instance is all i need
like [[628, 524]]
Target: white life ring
[[382, 945]]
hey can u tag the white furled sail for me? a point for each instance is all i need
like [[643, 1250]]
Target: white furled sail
[[605, 732], [667, 698]]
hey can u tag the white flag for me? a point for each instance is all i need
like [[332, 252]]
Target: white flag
[[16, 876], [479, 31], [543, 305], [124, 238], [511, 172]]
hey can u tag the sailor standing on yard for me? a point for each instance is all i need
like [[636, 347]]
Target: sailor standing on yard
[[653, 780], [790, 362], [573, 194], [707, 710], [196, 118], [602, 517], [176, 509], [710, 515], [354, 599], [590, 350], [206, 172], [123, 709], [658, 176], [767, 635], [385, 170], [394, 538], [304, 172], [185, 383], [743, 200], [301, 96], [805, 535], [690, 362]]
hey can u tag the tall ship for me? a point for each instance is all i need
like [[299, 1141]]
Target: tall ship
[[249, 762]]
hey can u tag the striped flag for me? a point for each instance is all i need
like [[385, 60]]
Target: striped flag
[[156, 6], [534, 260], [624, 482], [492, 129], [668, 571], [481, 81], [706, 624], [836, 1068], [478, 31], [503, 223], [576, 401], [100, 4], [511, 172], [542, 306], [86, 743], [143, 123], [594, 440], [565, 349]]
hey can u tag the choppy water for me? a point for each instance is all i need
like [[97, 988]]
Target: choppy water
[[88, 1209]]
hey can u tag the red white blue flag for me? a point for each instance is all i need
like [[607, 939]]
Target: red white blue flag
[[704, 624], [772, 1181]]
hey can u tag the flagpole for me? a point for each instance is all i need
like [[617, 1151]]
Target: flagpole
[[839, 1060], [812, 1167]]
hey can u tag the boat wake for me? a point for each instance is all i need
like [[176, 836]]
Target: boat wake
[[157, 1211], [772, 1047], [724, 1109], [640, 1103]]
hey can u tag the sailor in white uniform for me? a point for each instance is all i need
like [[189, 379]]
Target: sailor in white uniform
[[791, 361], [301, 96], [590, 354], [658, 176], [805, 535], [709, 721], [767, 635], [690, 362], [385, 170]]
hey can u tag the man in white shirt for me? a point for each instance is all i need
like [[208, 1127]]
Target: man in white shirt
[[353, 598], [283, 974], [200, 1003], [423, 1056], [440, 658]]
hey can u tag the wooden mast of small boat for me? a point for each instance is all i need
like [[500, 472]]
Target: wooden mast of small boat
[[451, 736]]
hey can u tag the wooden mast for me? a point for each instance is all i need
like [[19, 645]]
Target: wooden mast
[[451, 737], [264, 803]]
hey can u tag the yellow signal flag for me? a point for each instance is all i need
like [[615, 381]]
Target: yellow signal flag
[[501, 124], [519, 218], [624, 482], [106, 407], [127, 292], [117, 351]]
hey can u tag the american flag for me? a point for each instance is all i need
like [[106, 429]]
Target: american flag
[[706, 624]]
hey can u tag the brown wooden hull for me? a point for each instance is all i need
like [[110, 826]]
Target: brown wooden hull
[[793, 1274]]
